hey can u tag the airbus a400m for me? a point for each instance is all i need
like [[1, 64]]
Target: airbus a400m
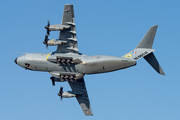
[[67, 64]]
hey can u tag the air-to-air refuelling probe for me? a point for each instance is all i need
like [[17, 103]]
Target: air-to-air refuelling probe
[[67, 64]]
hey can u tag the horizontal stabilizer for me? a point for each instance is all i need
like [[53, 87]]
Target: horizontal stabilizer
[[151, 59]]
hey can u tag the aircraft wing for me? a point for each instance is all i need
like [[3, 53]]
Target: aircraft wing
[[82, 98], [68, 34]]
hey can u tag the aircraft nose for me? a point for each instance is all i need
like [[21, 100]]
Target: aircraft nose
[[15, 60]]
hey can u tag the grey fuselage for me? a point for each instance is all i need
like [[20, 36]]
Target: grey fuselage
[[90, 64]]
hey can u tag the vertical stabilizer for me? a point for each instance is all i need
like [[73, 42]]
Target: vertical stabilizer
[[148, 39]]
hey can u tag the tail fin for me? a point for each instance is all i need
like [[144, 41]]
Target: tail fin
[[148, 39], [144, 49]]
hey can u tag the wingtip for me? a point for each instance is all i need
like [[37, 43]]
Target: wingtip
[[162, 73], [68, 4], [89, 114], [154, 26]]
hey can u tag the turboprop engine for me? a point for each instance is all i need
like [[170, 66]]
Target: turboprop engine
[[55, 27], [53, 42], [66, 94]]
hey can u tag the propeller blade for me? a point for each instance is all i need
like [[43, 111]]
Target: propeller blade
[[60, 92], [46, 40], [61, 98], [48, 31], [46, 37], [48, 23], [53, 81], [47, 27], [46, 46]]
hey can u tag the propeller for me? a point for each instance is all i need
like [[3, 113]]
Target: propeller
[[47, 27], [46, 40], [60, 92]]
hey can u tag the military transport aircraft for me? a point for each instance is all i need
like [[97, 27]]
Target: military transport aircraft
[[67, 64]]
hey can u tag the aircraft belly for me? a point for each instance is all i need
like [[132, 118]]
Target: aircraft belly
[[113, 65], [48, 66], [95, 67], [80, 68]]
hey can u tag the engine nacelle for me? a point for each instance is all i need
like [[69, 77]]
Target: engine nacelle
[[54, 42], [58, 27], [68, 94]]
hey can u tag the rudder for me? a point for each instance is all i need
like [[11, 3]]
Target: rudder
[[148, 38]]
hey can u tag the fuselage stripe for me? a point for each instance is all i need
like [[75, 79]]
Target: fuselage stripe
[[47, 56]]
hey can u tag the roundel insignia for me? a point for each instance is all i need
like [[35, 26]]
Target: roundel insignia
[[128, 55], [134, 52]]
